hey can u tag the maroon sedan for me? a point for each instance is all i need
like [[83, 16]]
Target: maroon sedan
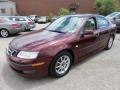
[[54, 49]]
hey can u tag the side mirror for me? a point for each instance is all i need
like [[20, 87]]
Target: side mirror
[[88, 32]]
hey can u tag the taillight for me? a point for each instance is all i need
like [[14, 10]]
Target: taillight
[[30, 23], [15, 25]]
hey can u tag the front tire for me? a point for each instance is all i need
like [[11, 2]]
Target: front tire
[[61, 64], [110, 43], [4, 33]]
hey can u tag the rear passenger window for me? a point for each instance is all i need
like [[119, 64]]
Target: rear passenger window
[[102, 22]]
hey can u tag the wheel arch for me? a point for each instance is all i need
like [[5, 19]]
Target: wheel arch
[[113, 36], [4, 29], [69, 51]]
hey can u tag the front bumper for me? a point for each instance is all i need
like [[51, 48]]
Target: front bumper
[[27, 70]]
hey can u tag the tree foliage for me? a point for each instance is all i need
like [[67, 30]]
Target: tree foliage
[[105, 7], [63, 11]]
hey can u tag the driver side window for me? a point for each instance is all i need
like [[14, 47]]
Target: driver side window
[[90, 24]]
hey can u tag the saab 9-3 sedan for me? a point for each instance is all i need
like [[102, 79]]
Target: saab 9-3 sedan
[[66, 41]]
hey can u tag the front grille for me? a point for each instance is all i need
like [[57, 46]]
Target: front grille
[[12, 52]]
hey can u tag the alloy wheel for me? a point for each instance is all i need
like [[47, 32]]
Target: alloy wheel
[[110, 43], [4, 33], [62, 64]]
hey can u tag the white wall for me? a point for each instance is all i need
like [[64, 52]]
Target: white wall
[[8, 6]]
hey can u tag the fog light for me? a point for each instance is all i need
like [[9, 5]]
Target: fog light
[[29, 72]]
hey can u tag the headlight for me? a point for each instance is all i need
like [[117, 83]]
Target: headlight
[[27, 55]]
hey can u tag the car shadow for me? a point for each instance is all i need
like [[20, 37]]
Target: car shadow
[[11, 36], [17, 82], [118, 32], [86, 59]]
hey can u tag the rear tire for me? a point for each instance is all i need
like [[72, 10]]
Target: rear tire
[[4, 33], [110, 43], [61, 64]]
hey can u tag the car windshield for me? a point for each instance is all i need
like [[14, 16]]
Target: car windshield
[[112, 14], [66, 24]]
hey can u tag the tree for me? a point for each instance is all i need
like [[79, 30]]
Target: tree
[[63, 11], [105, 7]]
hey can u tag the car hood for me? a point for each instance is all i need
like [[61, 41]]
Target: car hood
[[32, 40]]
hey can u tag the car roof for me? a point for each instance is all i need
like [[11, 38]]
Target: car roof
[[85, 15], [18, 16], [116, 12], [111, 16], [14, 16]]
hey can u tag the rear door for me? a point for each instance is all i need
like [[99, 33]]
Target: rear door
[[103, 26]]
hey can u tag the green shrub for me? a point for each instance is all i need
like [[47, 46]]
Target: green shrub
[[63, 11], [105, 7], [50, 17]]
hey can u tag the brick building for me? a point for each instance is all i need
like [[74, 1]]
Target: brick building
[[45, 7]]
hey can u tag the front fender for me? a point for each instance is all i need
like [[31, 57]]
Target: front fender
[[53, 50]]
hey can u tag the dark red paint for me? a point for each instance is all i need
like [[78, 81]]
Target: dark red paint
[[51, 43]]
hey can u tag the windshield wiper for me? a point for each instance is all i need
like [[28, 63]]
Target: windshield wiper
[[56, 31]]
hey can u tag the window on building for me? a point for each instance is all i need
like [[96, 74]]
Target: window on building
[[3, 10], [11, 9]]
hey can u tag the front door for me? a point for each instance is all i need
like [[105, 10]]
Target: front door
[[88, 41]]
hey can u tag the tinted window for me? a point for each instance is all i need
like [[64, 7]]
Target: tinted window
[[90, 24], [17, 19], [102, 22], [22, 19]]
